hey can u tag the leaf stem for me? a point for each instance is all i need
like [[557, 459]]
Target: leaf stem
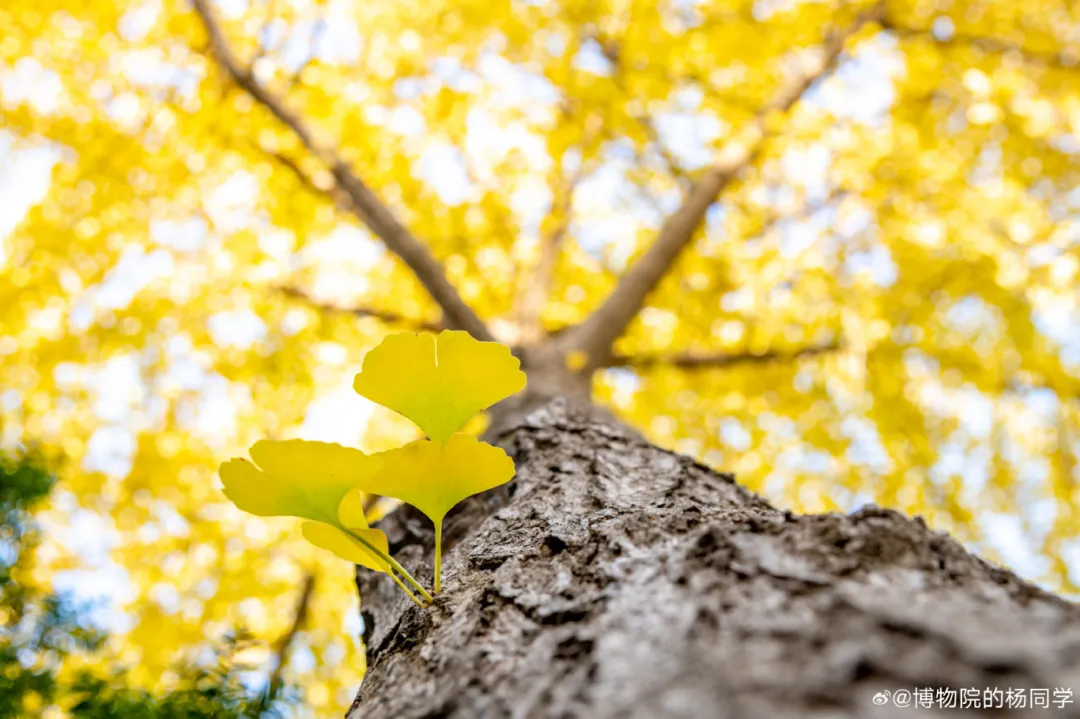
[[393, 563], [407, 590], [438, 556]]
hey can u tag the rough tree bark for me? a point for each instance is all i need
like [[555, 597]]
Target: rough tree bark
[[616, 579]]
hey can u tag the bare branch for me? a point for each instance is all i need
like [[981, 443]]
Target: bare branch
[[597, 334], [363, 202], [610, 51], [702, 361], [335, 193], [772, 220], [1066, 59], [535, 291], [283, 644], [386, 316]]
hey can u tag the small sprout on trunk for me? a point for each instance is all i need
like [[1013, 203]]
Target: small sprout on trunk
[[437, 382]]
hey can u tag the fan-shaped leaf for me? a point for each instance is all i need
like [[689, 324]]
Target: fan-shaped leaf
[[433, 477], [297, 478], [344, 546], [438, 383], [311, 480]]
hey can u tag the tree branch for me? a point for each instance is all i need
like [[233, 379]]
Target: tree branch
[[363, 202], [384, 315], [1064, 59], [333, 192], [534, 292], [610, 50], [807, 211], [596, 335], [283, 644], [702, 361], [537, 287]]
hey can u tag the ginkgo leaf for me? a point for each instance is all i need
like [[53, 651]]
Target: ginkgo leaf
[[433, 476], [353, 536], [344, 546], [296, 478], [313, 480], [351, 511], [438, 383]]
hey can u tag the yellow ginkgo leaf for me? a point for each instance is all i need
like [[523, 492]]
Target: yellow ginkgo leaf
[[351, 511], [370, 543], [438, 383], [297, 478], [348, 548], [433, 477], [317, 481]]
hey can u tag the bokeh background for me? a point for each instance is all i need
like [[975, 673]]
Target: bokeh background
[[883, 307]]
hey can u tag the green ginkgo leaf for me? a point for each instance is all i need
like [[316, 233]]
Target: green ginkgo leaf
[[438, 383], [311, 480], [433, 477]]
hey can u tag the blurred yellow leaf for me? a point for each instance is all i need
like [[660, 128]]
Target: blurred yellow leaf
[[576, 360]]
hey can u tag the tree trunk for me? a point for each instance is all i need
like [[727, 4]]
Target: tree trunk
[[615, 579]]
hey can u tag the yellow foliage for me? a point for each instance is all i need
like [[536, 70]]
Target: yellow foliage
[[917, 208]]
